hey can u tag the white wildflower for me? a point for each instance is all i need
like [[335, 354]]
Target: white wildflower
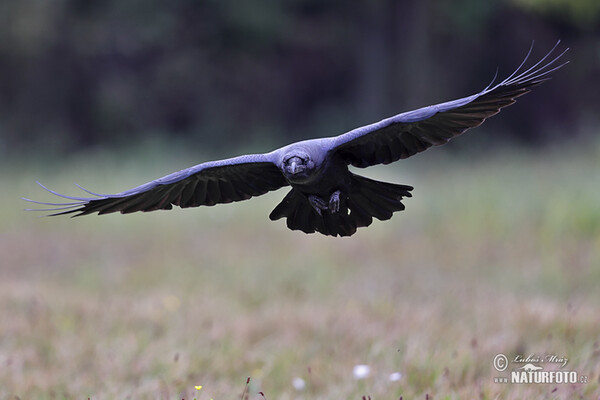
[[361, 371], [395, 376], [298, 384]]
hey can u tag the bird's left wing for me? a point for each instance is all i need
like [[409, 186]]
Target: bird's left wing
[[411, 132], [207, 184]]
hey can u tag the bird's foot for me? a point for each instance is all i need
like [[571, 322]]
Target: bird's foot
[[334, 201], [317, 203]]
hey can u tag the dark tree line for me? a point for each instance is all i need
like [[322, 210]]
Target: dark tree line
[[78, 73]]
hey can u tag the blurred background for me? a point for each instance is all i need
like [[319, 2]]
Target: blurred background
[[498, 250], [76, 74]]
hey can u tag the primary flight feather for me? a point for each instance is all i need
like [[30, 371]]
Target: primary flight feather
[[325, 196]]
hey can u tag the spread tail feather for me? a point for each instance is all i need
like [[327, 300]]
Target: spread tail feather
[[367, 199]]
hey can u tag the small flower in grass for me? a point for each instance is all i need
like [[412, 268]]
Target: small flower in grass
[[395, 376], [198, 387], [361, 371], [298, 384]]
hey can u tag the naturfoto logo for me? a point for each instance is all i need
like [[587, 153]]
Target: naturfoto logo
[[532, 369]]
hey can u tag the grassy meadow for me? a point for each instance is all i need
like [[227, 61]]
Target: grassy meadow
[[494, 254]]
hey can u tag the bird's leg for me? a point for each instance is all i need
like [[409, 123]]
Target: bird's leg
[[334, 201], [317, 203]]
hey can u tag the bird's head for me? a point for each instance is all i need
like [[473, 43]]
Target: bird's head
[[297, 166]]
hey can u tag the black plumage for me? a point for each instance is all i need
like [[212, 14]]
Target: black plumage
[[325, 196]]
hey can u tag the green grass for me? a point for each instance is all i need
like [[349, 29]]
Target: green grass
[[492, 255]]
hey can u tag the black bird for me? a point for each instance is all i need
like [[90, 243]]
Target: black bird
[[325, 196]]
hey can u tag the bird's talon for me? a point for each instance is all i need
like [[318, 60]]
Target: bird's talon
[[334, 201], [317, 203]]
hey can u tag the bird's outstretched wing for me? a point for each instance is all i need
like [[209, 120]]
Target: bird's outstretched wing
[[411, 132], [207, 184]]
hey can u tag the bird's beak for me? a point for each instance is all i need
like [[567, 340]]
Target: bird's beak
[[294, 167]]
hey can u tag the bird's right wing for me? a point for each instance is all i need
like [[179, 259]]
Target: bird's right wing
[[207, 184], [411, 132]]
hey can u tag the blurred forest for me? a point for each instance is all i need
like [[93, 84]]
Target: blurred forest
[[78, 74]]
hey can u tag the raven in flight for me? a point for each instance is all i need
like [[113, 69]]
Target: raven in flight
[[325, 196]]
